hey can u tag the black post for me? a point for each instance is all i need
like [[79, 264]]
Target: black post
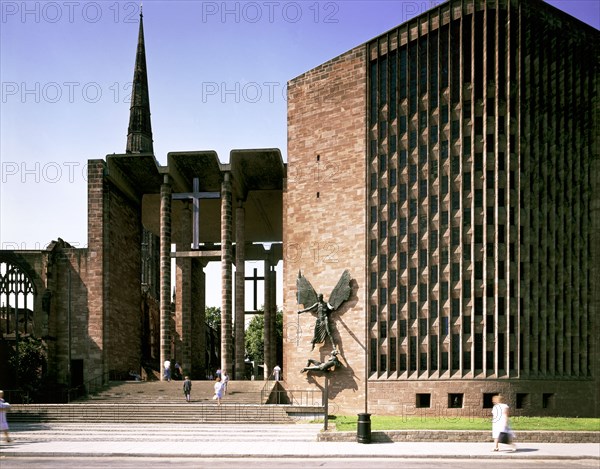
[[363, 430], [326, 399]]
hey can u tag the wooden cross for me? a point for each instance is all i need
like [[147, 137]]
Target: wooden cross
[[195, 196]]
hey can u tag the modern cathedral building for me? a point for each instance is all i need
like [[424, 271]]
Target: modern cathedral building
[[451, 165]]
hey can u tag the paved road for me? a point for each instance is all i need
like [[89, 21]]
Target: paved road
[[254, 446], [96, 462]]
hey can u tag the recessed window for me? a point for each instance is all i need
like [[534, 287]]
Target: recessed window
[[521, 400], [444, 329], [547, 400], [466, 324], [455, 401], [382, 329], [423, 327], [423, 401], [487, 400]]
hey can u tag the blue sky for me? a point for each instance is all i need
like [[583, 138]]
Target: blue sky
[[217, 78]]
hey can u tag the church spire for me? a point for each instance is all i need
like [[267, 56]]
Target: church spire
[[139, 133]]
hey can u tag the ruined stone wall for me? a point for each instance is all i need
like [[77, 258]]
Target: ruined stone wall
[[98, 259], [114, 277], [123, 278]]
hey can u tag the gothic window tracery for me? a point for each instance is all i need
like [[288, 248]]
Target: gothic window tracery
[[16, 301]]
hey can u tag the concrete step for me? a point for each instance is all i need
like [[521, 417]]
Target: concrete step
[[248, 392], [102, 432], [164, 402], [149, 413]]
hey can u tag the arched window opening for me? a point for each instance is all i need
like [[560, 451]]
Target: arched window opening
[[17, 299]]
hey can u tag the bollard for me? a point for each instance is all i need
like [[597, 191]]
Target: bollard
[[363, 430]]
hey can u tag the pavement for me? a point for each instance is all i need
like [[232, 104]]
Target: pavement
[[261, 440]]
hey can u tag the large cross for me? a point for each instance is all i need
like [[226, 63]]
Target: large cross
[[255, 280], [196, 195]]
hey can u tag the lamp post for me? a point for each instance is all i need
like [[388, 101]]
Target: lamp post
[[363, 428]]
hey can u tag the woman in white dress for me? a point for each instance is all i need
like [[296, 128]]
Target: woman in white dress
[[3, 423], [500, 423], [218, 390], [224, 381]]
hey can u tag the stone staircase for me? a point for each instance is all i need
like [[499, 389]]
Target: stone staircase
[[171, 392], [162, 402], [131, 434]]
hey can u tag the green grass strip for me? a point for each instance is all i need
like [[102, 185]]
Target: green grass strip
[[349, 423]]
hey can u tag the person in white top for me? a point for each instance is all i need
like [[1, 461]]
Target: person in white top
[[224, 381], [277, 372], [3, 423], [167, 366], [218, 390], [501, 431]]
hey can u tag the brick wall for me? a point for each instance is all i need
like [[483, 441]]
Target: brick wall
[[124, 282], [97, 242], [526, 397], [114, 276], [325, 218], [325, 224]]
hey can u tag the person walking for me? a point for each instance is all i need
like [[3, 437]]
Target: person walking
[[187, 388], [501, 431], [218, 390], [167, 367], [277, 372], [178, 371], [224, 381], [3, 423]]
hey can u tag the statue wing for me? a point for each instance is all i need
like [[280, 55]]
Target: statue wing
[[307, 296], [342, 291]]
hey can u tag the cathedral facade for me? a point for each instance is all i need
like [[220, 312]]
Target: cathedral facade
[[451, 165]]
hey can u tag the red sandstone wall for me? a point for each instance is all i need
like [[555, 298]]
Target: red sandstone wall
[[325, 218], [70, 299], [97, 293], [124, 282], [114, 277]]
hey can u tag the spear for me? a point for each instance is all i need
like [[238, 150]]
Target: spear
[[297, 315]]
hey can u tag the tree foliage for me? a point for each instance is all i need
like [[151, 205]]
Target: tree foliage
[[213, 317], [28, 363], [255, 338]]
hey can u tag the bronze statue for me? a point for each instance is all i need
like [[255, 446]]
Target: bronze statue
[[308, 296], [318, 366]]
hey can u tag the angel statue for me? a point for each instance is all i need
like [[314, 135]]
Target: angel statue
[[308, 296]]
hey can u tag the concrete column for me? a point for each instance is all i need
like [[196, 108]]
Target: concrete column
[[183, 294], [226, 263], [268, 348], [240, 282], [273, 293], [165, 272]]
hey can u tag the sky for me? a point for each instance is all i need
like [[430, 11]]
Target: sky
[[217, 79]]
